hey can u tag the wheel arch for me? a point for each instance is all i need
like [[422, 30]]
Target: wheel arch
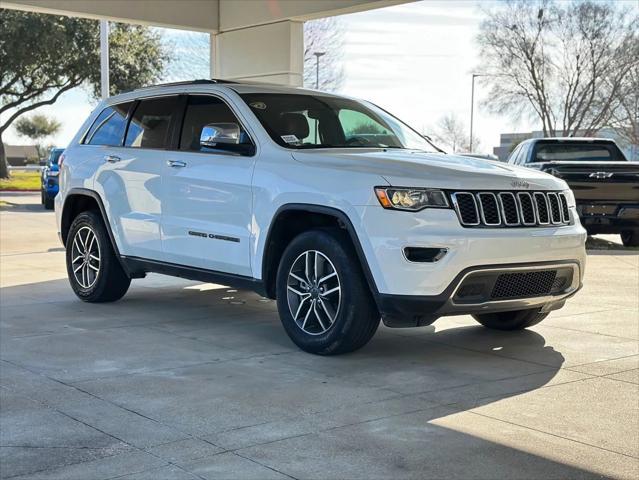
[[294, 218], [79, 200]]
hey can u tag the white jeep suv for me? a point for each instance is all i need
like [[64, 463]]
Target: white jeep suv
[[330, 205]]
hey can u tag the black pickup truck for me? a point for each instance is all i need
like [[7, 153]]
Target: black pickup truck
[[604, 182]]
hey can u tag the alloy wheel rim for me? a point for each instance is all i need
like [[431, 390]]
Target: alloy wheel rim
[[314, 292], [85, 254]]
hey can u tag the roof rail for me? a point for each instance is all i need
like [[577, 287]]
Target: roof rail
[[201, 81]]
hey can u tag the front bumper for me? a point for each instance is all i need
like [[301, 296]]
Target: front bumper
[[415, 293], [415, 311]]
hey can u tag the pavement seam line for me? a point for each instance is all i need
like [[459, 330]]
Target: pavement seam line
[[551, 434]]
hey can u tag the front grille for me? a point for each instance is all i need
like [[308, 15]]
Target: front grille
[[523, 284], [511, 209]]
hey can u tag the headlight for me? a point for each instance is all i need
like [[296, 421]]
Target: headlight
[[411, 199], [570, 198]]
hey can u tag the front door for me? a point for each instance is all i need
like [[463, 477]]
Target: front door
[[207, 200]]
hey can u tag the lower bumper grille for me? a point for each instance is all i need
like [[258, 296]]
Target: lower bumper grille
[[494, 285], [523, 284]]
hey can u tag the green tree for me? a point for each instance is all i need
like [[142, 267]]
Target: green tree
[[44, 56], [37, 128]]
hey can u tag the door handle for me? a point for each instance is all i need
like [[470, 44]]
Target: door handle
[[176, 163], [112, 158]]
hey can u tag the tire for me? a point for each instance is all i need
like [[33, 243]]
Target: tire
[[48, 202], [514, 320], [109, 282], [630, 238], [354, 314]]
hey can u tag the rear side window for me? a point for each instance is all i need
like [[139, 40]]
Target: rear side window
[[149, 126], [565, 152], [108, 128]]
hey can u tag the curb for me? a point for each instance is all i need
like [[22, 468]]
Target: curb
[[18, 191]]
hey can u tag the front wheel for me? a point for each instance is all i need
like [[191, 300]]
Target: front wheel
[[630, 238], [515, 320], [93, 269], [324, 302]]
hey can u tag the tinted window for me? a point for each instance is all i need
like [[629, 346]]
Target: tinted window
[[523, 154], [202, 110], [594, 152], [108, 128], [54, 156], [149, 126], [514, 154], [318, 121]]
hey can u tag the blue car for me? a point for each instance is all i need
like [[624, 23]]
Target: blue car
[[50, 174]]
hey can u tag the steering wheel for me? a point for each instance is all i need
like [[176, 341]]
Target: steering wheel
[[361, 141]]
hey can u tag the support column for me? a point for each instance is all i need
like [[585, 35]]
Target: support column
[[104, 58], [212, 55], [272, 53]]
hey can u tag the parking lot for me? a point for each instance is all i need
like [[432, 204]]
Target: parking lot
[[188, 380]]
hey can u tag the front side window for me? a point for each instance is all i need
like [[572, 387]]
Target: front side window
[[513, 158], [149, 126], [203, 110], [108, 128], [309, 121]]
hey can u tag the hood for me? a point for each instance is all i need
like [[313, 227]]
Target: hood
[[412, 168]]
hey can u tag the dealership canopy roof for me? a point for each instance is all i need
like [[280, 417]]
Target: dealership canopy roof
[[260, 40]]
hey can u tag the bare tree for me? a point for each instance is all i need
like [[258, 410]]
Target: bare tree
[[563, 62], [325, 35], [451, 132], [625, 117]]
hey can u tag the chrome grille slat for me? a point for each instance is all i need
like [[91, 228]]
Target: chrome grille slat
[[527, 209], [489, 209], [511, 209], [541, 206], [554, 208]]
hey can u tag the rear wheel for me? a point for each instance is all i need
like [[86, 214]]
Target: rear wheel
[[93, 269], [324, 302], [630, 238], [515, 320]]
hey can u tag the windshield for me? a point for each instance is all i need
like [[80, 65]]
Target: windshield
[[54, 156], [584, 152], [309, 121]]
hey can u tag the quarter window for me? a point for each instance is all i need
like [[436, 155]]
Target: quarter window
[[108, 128], [149, 125]]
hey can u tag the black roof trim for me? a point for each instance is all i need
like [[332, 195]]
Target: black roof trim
[[201, 81]]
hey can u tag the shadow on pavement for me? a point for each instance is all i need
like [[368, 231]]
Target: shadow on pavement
[[217, 364]]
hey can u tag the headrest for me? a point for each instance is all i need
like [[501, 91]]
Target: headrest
[[294, 124]]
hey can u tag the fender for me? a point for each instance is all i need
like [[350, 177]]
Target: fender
[[344, 221], [105, 219]]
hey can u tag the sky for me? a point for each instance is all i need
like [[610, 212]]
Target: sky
[[414, 60]]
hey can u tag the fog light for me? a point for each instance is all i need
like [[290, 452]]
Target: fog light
[[424, 255]]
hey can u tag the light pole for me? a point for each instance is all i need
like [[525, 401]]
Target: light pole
[[104, 58], [317, 57], [472, 109]]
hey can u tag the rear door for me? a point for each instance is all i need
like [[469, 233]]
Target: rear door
[[207, 207], [130, 177]]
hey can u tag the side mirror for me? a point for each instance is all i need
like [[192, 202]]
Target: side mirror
[[215, 134]]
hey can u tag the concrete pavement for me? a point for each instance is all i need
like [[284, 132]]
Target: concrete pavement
[[183, 380]]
